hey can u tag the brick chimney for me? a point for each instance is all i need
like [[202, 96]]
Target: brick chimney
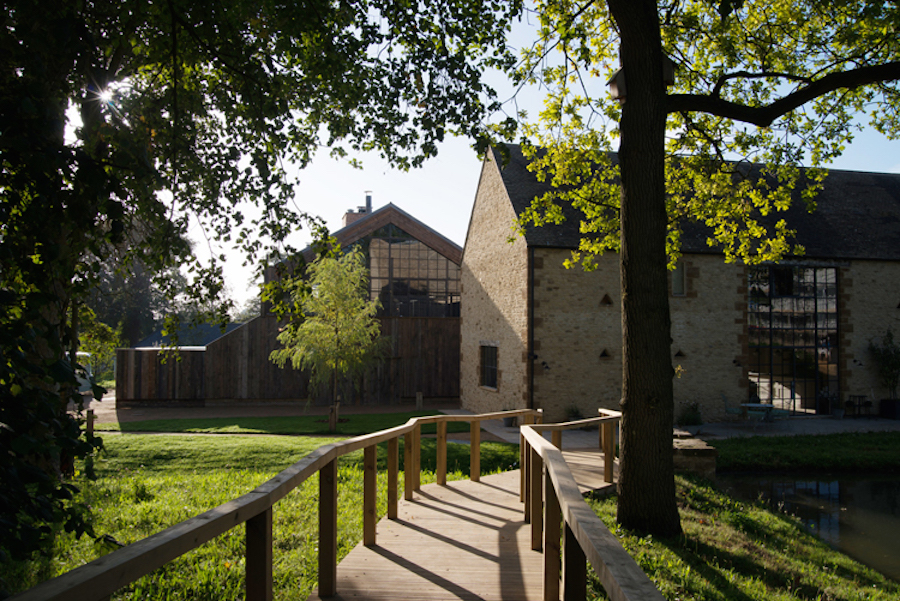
[[352, 216]]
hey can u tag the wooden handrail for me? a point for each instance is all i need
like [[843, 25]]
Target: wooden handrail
[[102, 577], [585, 538]]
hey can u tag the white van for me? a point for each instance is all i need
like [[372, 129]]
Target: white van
[[83, 373]]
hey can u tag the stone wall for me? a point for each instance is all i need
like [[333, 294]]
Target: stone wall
[[495, 307], [869, 305], [708, 336], [573, 362], [578, 335]]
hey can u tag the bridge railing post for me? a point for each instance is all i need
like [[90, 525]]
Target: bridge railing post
[[552, 519], [556, 439], [535, 499], [417, 457], [609, 449], [408, 466], [527, 420], [475, 450], [328, 529], [441, 460], [574, 568], [393, 448], [258, 575], [370, 494], [526, 481]]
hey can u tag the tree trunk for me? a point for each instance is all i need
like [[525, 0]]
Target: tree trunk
[[647, 479]]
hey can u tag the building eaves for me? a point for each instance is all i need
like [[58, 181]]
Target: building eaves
[[857, 215], [392, 214]]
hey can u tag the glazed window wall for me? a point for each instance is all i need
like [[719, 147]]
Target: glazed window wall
[[409, 278], [793, 337]]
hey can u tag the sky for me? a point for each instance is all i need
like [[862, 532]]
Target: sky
[[442, 192]]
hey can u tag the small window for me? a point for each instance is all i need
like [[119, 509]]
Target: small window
[[489, 366], [678, 279]]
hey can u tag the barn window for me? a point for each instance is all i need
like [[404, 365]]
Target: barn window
[[678, 284], [489, 366], [793, 337]]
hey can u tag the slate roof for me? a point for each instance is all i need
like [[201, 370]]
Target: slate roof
[[858, 215], [199, 335]]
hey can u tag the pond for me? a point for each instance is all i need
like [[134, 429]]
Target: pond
[[860, 516]]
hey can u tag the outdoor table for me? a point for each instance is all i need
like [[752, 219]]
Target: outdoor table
[[766, 408]]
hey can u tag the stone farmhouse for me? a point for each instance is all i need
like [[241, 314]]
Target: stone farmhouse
[[535, 334]]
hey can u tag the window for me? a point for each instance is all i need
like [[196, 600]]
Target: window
[[489, 366], [678, 286], [793, 337], [409, 278]]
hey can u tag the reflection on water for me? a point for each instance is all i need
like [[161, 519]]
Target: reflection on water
[[858, 516]]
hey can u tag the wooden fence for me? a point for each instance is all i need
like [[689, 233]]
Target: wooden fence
[[423, 357], [586, 538]]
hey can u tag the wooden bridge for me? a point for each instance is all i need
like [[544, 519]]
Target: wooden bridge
[[464, 540], [525, 534]]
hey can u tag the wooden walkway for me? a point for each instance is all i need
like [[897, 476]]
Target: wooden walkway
[[467, 540]]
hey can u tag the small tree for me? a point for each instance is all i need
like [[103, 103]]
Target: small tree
[[887, 359], [100, 341], [335, 334]]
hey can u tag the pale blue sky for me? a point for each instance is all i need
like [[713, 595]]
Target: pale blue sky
[[441, 193]]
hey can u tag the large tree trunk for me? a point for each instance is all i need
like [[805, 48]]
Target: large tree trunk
[[647, 480]]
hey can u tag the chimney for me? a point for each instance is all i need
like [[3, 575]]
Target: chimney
[[352, 216]]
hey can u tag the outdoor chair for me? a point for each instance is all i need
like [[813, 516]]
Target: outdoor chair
[[741, 412]]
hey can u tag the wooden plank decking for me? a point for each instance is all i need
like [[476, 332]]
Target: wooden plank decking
[[466, 540]]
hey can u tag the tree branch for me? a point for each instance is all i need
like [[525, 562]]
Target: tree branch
[[764, 116], [748, 75]]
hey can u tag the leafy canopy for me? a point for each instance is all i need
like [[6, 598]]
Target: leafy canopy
[[760, 89], [126, 123]]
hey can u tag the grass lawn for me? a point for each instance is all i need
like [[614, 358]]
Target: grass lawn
[[732, 550], [874, 452], [736, 550], [350, 424], [729, 550], [147, 483]]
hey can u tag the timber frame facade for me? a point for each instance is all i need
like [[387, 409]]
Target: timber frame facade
[[414, 271]]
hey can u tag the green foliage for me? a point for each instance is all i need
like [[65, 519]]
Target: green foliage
[[40, 444], [125, 123], [251, 309], [335, 335], [760, 88], [887, 359], [689, 415], [101, 341], [754, 82]]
